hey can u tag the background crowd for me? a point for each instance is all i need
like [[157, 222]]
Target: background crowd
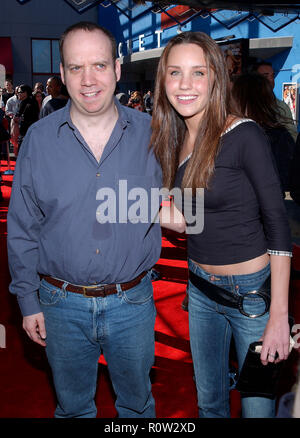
[[21, 106]]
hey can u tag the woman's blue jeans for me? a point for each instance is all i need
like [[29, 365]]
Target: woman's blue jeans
[[211, 328], [79, 329]]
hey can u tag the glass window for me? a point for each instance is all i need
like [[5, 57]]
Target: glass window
[[41, 60], [55, 56], [45, 56]]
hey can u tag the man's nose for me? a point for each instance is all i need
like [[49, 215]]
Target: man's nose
[[87, 77]]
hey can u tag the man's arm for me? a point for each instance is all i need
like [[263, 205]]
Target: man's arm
[[23, 228]]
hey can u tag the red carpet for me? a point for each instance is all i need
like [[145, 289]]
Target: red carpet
[[25, 380]]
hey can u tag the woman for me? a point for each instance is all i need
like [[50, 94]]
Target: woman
[[201, 142], [136, 101], [39, 97], [28, 112], [254, 97]]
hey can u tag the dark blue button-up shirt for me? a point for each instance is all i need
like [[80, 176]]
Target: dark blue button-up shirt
[[78, 219]]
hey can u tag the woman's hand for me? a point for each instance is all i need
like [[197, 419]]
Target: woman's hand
[[276, 336], [276, 340], [170, 217]]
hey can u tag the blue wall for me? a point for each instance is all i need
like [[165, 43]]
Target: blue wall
[[217, 24]]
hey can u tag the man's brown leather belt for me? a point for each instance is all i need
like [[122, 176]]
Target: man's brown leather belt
[[97, 290]]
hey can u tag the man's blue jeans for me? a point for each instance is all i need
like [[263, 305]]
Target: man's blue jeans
[[211, 327], [79, 329]]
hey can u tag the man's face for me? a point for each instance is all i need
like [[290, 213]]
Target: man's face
[[89, 72], [9, 87], [268, 72], [52, 88]]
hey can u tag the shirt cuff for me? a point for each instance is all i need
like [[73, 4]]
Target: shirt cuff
[[280, 253], [29, 305]]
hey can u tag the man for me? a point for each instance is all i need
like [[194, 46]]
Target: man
[[96, 292], [148, 100], [11, 109], [9, 92], [266, 69], [12, 104], [55, 99]]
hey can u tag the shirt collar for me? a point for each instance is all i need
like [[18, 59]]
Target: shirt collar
[[65, 117]]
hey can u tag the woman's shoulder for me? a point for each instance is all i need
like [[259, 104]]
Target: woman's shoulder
[[234, 122], [246, 138]]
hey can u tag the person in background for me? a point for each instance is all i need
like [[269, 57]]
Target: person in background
[[83, 280], [265, 69], [11, 109], [12, 104], [8, 92], [39, 87], [28, 111], [58, 99], [4, 135], [255, 99], [223, 165], [122, 98], [39, 97], [148, 102], [136, 101]]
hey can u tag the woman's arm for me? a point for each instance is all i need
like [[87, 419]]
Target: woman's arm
[[276, 337], [170, 217], [257, 160]]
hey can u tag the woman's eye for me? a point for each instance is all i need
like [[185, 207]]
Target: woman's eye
[[198, 73], [174, 73]]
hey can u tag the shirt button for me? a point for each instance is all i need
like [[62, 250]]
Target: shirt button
[[97, 251], [98, 174]]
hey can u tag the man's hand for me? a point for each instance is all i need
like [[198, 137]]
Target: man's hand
[[34, 326]]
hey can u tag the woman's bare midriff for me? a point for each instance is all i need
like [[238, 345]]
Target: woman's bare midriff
[[243, 268]]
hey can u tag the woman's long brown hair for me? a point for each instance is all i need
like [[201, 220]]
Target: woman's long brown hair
[[168, 127]]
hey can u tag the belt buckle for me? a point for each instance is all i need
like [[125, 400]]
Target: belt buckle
[[264, 296], [95, 288]]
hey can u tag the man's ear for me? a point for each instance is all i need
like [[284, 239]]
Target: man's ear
[[62, 73], [118, 69]]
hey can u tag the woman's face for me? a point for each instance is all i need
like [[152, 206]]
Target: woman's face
[[39, 96], [22, 94], [187, 81]]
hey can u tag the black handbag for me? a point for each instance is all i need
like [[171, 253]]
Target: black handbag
[[256, 379]]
